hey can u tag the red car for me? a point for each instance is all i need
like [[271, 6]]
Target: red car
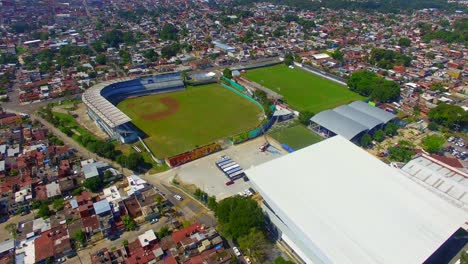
[[229, 183]]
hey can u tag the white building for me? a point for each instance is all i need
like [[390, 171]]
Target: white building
[[333, 202]]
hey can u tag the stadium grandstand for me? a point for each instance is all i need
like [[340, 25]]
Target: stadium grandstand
[[351, 121], [101, 100]]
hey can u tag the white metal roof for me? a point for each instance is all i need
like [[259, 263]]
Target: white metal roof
[[338, 124], [102, 107], [347, 206], [449, 181]]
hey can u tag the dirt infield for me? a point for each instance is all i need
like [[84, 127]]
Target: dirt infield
[[172, 106]]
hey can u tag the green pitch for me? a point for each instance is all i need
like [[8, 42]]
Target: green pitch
[[302, 90], [179, 121], [296, 137]]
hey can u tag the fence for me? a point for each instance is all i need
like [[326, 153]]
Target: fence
[[193, 154], [234, 84], [242, 137], [243, 95]]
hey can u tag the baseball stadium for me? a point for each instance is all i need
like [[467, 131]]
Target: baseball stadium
[[169, 117]]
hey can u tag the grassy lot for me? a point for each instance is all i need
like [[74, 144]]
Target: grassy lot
[[296, 137], [203, 115], [302, 90]]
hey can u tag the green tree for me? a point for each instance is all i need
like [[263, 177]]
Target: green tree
[[94, 184], [227, 73], [433, 126], [212, 204], [238, 215], [289, 59], [125, 243], [450, 116], [404, 42], [433, 143], [12, 229], [379, 135], [44, 211], [254, 244], [101, 59], [150, 55], [338, 55], [80, 237], [438, 86], [391, 129], [366, 140], [163, 232], [369, 84], [305, 116], [128, 222], [281, 260], [169, 32], [58, 204], [403, 152]]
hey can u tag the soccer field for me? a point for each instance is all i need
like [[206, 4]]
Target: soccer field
[[296, 137], [179, 121], [302, 90]]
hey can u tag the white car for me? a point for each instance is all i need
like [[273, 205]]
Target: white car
[[248, 192], [178, 197], [154, 220], [247, 260], [236, 251], [242, 194], [68, 197]]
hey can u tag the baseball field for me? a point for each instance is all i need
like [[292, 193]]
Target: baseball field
[[302, 90], [179, 121]]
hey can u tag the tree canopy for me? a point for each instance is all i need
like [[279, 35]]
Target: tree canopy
[[128, 222], [377, 88], [404, 42], [388, 58], [254, 244], [238, 215], [403, 152], [93, 184], [450, 116], [169, 32], [433, 143], [305, 116], [227, 73], [289, 59]]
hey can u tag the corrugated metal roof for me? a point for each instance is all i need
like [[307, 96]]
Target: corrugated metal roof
[[338, 124], [101, 207], [362, 118], [340, 204], [375, 112]]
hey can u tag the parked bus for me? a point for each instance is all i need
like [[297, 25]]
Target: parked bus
[[230, 168], [229, 172], [227, 165], [224, 162]]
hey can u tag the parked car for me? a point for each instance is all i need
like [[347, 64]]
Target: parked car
[[229, 183], [247, 260], [236, 251], [154, 220], [178, 197]]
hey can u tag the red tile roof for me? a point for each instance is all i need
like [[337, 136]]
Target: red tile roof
[[51, 243], [185, 232]]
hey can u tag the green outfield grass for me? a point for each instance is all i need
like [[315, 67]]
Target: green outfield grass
[[296, 137], [184, 120], [302, 90]]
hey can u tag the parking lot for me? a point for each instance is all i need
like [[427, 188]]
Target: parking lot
[[457, 148], [205, 175]]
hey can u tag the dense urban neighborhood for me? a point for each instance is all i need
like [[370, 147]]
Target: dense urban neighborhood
[[233, 131]]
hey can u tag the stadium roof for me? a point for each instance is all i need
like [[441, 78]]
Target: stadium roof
[[338, 124], [346, 206], [102, 107], [362, 118], [376, 112]]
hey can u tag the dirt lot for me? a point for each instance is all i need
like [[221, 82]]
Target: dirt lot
[[204, 174], [410, 134], [83, 119]]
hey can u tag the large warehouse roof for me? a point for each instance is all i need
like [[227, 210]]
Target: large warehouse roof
[[347, 206], [102, 107], [376, 112], [362, 118], [338, 124]]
